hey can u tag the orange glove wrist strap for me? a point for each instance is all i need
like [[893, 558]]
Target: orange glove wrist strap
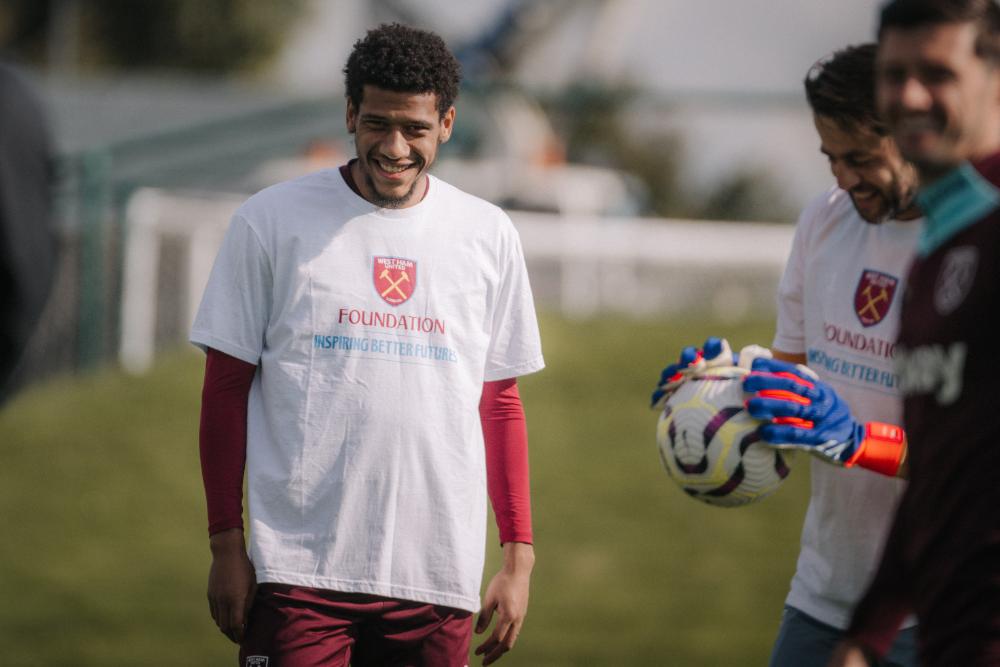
[[881, 450]]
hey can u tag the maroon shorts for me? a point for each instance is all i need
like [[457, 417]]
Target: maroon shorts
[[295, 626]]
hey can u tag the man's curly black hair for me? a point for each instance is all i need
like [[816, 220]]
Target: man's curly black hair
[[402, 59]]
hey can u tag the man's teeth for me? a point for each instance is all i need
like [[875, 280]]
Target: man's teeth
[[393, 168]]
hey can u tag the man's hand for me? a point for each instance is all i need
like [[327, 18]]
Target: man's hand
[[801, 411], [848, 654], [232, 583], [507, 594], [715, 352]]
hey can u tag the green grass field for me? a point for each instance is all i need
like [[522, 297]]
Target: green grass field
[[104, 552]]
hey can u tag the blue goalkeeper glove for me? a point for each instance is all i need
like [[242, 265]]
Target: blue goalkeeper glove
[[693, 361], [715, 352], [802, 412]]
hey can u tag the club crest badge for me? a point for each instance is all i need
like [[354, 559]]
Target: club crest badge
[[955, 278], [873, 296], [256, 661], [395, 279]]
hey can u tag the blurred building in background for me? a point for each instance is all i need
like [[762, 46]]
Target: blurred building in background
[[603, 126]]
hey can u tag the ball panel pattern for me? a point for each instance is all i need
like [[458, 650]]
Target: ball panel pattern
[[709, 444]]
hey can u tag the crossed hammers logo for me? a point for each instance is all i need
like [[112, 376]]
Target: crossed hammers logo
[[394, 285], [870, 308]]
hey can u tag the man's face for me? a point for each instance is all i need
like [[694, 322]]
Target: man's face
[[869, 168], [397, 136], [941, 100]]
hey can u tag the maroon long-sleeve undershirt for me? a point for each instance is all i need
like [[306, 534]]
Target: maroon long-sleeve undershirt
[[506, 435], [223, 446], [223, 437]]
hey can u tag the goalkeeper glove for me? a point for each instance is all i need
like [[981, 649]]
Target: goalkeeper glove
[[714, 353], [804, 413]]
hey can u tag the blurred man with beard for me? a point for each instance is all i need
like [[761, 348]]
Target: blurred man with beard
[[839, 304], [830, 388]]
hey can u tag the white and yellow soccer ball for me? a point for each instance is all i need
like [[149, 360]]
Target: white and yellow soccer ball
[[709, 444]]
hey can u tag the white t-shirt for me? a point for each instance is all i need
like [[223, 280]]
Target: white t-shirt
[[839, 303], [374, 330]]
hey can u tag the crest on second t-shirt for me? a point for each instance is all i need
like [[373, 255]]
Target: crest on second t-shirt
[[955, 278], [395, 278], [873, 296]]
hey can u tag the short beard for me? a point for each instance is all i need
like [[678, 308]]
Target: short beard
[[888, 213], [897, 200], [382, 201]]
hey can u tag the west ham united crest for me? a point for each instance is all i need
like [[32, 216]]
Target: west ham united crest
[[955, 278], [395, 279], [873, 297]]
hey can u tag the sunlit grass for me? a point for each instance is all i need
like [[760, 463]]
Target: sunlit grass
[[104, 552]]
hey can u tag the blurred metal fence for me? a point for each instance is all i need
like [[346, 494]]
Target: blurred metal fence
[[80, 328]]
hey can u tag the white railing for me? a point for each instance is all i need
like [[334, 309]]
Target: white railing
[[613, 263]]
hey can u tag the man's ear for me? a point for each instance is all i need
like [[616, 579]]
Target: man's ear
[[447, 123], [351, 117]]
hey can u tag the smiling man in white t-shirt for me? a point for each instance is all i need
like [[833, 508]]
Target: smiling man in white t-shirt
[[831, 388], [838, 312], [364, 329]]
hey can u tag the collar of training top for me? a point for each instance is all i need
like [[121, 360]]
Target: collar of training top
[[952, 203]]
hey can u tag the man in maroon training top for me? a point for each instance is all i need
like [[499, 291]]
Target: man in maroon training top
[[938, 81]]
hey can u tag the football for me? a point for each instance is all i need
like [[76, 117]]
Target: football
[[709, 443]]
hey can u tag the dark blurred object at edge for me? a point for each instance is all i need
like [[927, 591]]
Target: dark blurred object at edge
[[27, 236]]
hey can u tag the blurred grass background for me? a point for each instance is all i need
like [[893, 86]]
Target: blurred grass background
[[104, 554]]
